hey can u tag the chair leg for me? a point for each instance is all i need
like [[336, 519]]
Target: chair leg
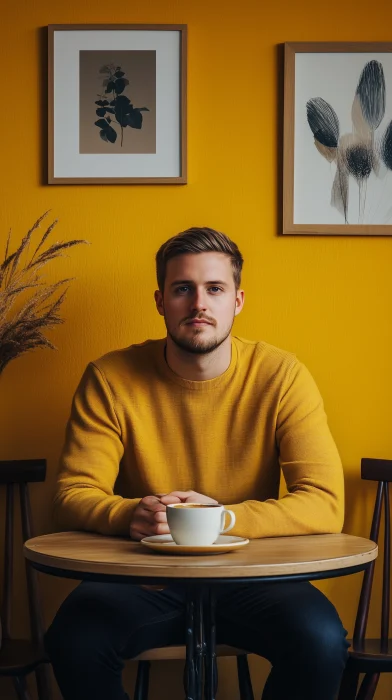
[[349, 684], [142, 679], [42, 678], [368, 686], [21, 688], [244, 681]]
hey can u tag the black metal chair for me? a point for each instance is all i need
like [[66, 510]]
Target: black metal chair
[[372, 656], [19, 657]]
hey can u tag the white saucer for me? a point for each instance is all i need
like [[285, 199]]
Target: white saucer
[[166, 545]]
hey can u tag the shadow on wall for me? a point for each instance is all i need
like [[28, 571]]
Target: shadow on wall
[[279, 94], [360, 496], [344, 591], [43, 100]]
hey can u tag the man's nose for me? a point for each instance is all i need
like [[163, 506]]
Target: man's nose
[[199, 300]]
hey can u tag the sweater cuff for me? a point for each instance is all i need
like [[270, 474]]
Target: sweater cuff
[[119, 521], [242, 527]]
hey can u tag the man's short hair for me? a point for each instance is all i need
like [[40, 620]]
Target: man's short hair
[[198, 240]]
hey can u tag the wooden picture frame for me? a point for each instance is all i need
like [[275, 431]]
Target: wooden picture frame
[[337, 162], [117, 96]]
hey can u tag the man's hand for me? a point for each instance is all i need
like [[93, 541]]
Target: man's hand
[[191, 497], [149, 516]]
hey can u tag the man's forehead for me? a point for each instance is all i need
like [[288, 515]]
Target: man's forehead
[[199, 264]]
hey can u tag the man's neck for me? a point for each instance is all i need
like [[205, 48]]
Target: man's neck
[[196, 367]]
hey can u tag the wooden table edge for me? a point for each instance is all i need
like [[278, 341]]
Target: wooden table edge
[[161, 568]]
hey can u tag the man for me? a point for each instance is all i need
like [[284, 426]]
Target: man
[[199, 416]]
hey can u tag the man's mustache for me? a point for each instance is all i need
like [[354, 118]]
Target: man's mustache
[[198, 317]]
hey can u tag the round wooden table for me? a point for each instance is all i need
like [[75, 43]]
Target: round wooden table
[[85, 556]]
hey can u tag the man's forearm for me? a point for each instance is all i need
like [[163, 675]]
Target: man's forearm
[[87, 508], [299, 513]]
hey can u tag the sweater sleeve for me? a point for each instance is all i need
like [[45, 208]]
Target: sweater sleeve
[[90, 462], [311, 466]]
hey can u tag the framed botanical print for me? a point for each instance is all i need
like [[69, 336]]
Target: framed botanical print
[[337, 171], [117, 104]]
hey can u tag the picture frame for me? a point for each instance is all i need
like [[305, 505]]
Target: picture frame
[[337, 138], [117, 97]]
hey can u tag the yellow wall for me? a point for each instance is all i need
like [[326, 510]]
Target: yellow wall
[[327, 299]]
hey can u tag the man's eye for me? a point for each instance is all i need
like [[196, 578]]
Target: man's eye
[[215, 290], [182, 290]]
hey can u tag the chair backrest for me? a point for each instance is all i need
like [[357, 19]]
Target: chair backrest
[[379, 470], [20, 472]]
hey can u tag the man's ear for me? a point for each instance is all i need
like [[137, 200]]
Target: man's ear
[[158, 296], [239, 301]]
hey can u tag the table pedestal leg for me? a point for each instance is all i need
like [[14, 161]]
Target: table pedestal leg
[[200, 646], [211, 668]]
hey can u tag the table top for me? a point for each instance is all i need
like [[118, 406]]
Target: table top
[[84, 555]]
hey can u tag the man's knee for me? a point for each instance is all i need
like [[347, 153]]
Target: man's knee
[[321, 637], [79, 637], [328, 642], [71, 644]]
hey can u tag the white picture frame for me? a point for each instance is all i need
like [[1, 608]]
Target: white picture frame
[[117, 104]]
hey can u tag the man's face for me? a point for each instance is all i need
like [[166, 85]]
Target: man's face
[[199, 301]]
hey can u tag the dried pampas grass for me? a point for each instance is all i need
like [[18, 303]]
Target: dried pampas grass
[[29, 305]]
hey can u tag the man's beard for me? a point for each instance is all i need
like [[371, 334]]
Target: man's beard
[[196, 345]]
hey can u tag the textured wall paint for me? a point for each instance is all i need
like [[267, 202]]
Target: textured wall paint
[[327, 299]]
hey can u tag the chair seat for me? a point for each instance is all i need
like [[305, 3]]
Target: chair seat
[[20, 656], [371, 652], [179, 652]]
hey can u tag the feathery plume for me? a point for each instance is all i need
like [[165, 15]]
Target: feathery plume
[[29, 306]]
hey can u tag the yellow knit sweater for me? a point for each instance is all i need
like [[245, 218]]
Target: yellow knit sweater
[[228, 437]]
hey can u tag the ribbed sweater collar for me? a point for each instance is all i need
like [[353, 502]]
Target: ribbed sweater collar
[[191, 385]]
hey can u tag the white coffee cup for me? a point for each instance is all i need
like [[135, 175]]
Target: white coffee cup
[[197, 524]]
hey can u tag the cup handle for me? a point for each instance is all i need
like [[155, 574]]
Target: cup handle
[[231, 523]]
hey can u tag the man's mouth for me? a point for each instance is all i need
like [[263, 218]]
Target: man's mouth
[[198, 322]]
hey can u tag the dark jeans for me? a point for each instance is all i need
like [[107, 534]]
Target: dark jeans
[[292, 624]]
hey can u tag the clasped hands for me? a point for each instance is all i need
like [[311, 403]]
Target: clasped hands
[[149, 516]]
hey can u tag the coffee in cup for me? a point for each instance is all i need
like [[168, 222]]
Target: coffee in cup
[[196, 505], [197, 524]]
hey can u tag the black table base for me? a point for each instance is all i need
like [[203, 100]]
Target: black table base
[[201, 667]]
